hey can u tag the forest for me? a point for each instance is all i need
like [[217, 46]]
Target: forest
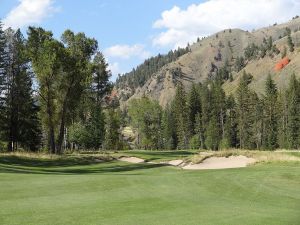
[[52, 92], [205, 118], [55, 96]]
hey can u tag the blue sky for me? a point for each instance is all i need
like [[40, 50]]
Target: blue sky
[[128, 31]]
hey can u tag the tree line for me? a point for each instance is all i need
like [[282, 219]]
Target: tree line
[[55, 95], [52, 92], [139, 75], [206, 118]]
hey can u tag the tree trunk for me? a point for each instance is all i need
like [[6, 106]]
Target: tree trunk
[[62, 128], [62, 120], [51, 126]]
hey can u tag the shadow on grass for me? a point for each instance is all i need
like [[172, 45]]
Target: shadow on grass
[[13, 164], [35, 162]]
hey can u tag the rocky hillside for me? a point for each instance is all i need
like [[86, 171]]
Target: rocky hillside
[[211, 54]]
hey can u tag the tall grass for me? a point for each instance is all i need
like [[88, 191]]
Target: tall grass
[[259, 156]]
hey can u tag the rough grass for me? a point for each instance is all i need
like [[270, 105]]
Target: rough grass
[[56, 159], [157, 156], [59, 191], [259, 156]]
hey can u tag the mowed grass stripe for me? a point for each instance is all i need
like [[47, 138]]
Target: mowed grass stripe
[[122, 193]]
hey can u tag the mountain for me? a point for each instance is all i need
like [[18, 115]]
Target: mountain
[[261, 50]]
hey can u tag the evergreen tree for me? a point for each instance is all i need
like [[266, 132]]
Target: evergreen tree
[[257, 124], [212, 136], [181, 116], [3, 73], [95, 128], [293, 124], [194, 107], [219, 106], [20, 122], [230, 136], [100, 84], [290, 43], [283, 120], [270, 114], [169, 128], [284, 52], [245, 105], [239, 64], [99, 127], [199, 130], [204, 118]]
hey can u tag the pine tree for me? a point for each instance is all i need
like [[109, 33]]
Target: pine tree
[[290, 43], [199, 130], [212, 139], [293, 124], [283, 120], [270, 114], [230, 137], [284, 52], [181, 116], [257, 125], [245, 107], [21, 124], [3, 75], [219, 107], [194, 107], [100, 85], [204, 118], [169, 128], [95, 128]]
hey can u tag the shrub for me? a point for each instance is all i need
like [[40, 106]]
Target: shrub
[[195, 142]]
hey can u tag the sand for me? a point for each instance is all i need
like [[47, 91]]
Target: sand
[[210, 163], [131, 159], [221, 163]]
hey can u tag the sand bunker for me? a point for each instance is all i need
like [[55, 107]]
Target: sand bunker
[[221, 163], [176, 162], [131, 159]]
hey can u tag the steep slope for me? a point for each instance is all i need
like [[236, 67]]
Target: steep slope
[[260, 69], [211, 53]]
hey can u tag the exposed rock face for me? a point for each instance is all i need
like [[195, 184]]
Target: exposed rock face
[[212, 52]]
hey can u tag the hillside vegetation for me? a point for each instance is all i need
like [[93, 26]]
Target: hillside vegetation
[[210, 54]]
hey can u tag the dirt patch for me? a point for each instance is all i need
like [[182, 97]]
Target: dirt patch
[[131, 159], [221, 163]]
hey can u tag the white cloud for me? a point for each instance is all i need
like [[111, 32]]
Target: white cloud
[[127, 51], [29, 12], [114, 68], [185, 25]]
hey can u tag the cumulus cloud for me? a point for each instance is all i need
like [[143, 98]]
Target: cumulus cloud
[[127, 51], [29, 12], [180, 26]]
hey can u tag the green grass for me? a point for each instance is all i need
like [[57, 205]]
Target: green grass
[[60, 191]]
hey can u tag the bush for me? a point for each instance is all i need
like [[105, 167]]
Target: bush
[[195, 142], [224, 144], [3, 146]]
